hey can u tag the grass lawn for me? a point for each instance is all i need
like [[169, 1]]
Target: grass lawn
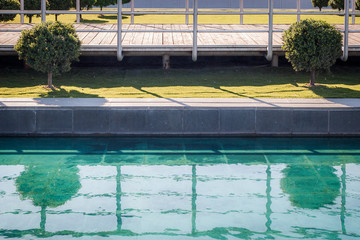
[[208, 82], [180, 19]]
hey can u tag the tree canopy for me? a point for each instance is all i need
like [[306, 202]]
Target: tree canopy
[[59, 5], [337, 4], [320, 3], [8, 5], [312, 45], [49, 47]]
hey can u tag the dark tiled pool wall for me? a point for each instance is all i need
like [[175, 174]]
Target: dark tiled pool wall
[[179, 121]]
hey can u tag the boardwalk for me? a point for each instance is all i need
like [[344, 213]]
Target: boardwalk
[[172, 43]]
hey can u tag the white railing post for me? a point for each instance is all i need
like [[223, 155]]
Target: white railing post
[[187, 11], [195, 30], [119, 28], [132, 11], [22, 9], [241, 11], [298, 6], [346, 32], [78, 10], [353, 12], [43, 10], [270, 40]]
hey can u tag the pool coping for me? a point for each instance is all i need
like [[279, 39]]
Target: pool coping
[[179, 117]]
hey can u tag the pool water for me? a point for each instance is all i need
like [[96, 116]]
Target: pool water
[[180, 188]]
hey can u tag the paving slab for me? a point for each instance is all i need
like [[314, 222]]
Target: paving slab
[[179, 102]]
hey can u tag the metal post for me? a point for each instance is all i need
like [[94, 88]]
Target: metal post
[[187, 11], [78, 10], [353, 12], [43, 10], [195, 30], [270, 41], [132, 10], [346, 32], [22, 9], [241, 11], [119, 26], [298, 10]]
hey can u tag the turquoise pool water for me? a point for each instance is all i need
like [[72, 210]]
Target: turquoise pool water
[[173, 188]]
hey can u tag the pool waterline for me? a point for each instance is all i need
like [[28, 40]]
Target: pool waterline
[[179, 188]]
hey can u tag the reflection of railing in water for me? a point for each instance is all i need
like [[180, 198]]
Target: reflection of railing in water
[[194, 232], [195, 13]]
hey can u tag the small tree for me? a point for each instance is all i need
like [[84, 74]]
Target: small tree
[[8, 5], [337, 4], [33, 5], [59, 5], [320, 3], [104, 3], [312, 45], [49, 47]]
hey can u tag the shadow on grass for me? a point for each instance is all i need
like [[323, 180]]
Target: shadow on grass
[[335, 92], [62, 93], [93, 21], [111, 17]]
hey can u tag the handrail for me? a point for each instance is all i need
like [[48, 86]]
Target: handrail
[[269, 54], [346, 33], [195, 30], [119, 28], [346, 13]]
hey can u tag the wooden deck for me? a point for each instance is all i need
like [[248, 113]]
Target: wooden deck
[[172, 43]]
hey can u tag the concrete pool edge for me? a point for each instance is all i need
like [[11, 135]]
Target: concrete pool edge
[[179, 117]]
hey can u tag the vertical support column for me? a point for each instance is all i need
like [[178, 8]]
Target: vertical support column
[[166, 61], [346, 32], [275, 61], [298, 6], [187, 11], [270, 40], [119, 28], [353, 12], [195, 30], [43, 10], [241, 11], [132, 11], [78, 10], [22, 9]]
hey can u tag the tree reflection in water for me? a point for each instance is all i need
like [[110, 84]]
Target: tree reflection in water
[[48, 185], [311, 186]]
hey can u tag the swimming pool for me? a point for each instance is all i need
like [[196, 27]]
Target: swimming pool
[[180, 188]]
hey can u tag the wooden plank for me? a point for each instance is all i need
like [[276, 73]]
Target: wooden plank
[[167, 37], [148, 36], [91, 35], [157, 37], [101, 35], [188, 38]]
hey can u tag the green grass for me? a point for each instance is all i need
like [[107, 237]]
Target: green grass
[[219, 82], [180, 19]]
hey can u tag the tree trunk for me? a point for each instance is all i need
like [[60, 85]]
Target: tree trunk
[[56, 17], [30, 19], [50, 80], [312, 79], [43, 218]]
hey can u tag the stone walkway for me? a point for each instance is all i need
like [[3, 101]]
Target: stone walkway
[[180, 102]]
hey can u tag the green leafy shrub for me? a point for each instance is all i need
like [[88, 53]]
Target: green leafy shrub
[[357, 4], [8, 5], [49, 47], [320, 3], [312, 45]]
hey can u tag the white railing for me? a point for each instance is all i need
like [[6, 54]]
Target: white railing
[[195, 13]]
